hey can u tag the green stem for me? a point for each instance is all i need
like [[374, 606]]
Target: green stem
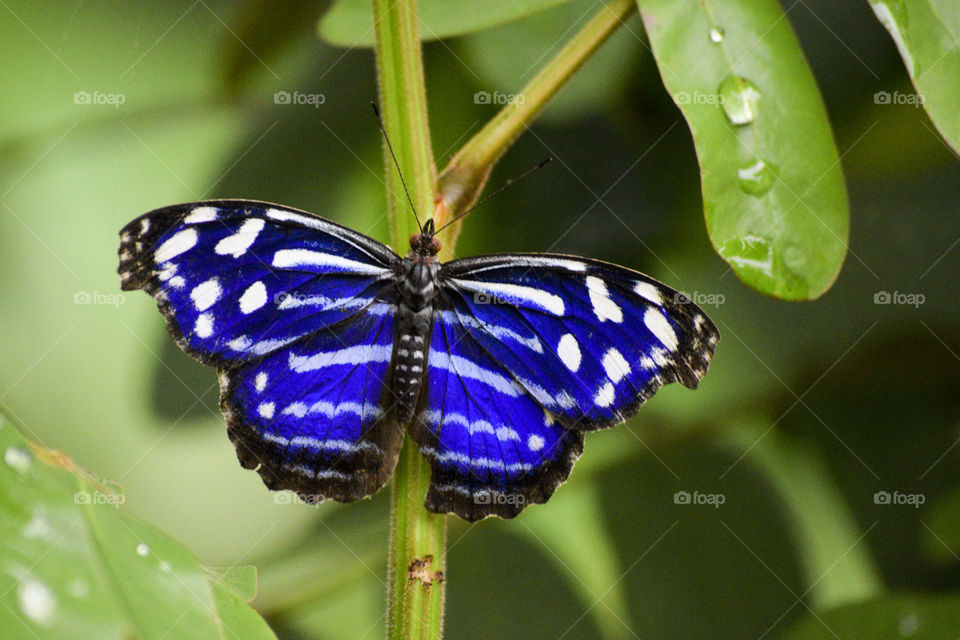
[[417, 558], [461, 182]]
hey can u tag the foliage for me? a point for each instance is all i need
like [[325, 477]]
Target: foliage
[[823, 425]]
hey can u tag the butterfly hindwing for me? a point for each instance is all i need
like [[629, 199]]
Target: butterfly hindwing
[[491, 446], [297, 312], [318, 416], [590, 341]]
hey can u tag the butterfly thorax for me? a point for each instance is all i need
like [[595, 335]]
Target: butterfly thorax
[[417, 288]]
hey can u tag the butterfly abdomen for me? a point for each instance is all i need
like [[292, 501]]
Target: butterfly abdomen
[[417, 290]]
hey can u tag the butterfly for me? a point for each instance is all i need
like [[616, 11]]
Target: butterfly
[[330, 347]]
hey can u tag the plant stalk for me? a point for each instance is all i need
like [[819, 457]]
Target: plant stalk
[[462, 181], [417, 549]]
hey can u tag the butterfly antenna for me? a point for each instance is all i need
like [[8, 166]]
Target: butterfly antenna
[[502, 187], [376, 112]]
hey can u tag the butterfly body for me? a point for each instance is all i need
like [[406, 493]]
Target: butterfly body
[[417, 289], [331, 347]]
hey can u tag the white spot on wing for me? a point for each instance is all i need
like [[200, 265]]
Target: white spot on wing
[[206, 294], [253, 298], [648, 292], [615, 365], [535, 442], [144, 225], [660, 327], [237, 244], [265, 410], [286, 258], [359, 354], [201, 214], [175, 245], [514, 294], [260, 382], [569, 352], [605, 395], [603, 306], [203, 327]]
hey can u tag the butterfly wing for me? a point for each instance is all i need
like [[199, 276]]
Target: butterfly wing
[[492, 447], [543, 347], [297, 312]]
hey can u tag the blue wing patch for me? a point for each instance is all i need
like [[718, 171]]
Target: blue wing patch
[[317, 417], [590, 341], [298, 314], [239, 279], [492, 447]]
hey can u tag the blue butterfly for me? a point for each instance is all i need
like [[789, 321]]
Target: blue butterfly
[[329, 345]]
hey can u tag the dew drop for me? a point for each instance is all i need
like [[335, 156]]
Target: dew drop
[[78, 589], [18, 458], [716, 35], [143, 550], [164, 566], [36, 601], [909, 625], [756, 177], [739, 98]]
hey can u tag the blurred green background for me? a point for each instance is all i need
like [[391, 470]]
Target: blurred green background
[[808, 411]]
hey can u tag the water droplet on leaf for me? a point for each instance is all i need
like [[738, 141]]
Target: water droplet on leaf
[[143, 550], [18, 458], [739, 98], [36, 601], [756, 177], [716, 35], [909, 625]]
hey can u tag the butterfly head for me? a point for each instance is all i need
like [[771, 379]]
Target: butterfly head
[[424, 243]]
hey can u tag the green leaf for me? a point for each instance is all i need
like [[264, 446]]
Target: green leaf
[[595, 576], [927, 33], [773, 192], [349, 23], [74, 564], [836, 560], [892, 617]]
